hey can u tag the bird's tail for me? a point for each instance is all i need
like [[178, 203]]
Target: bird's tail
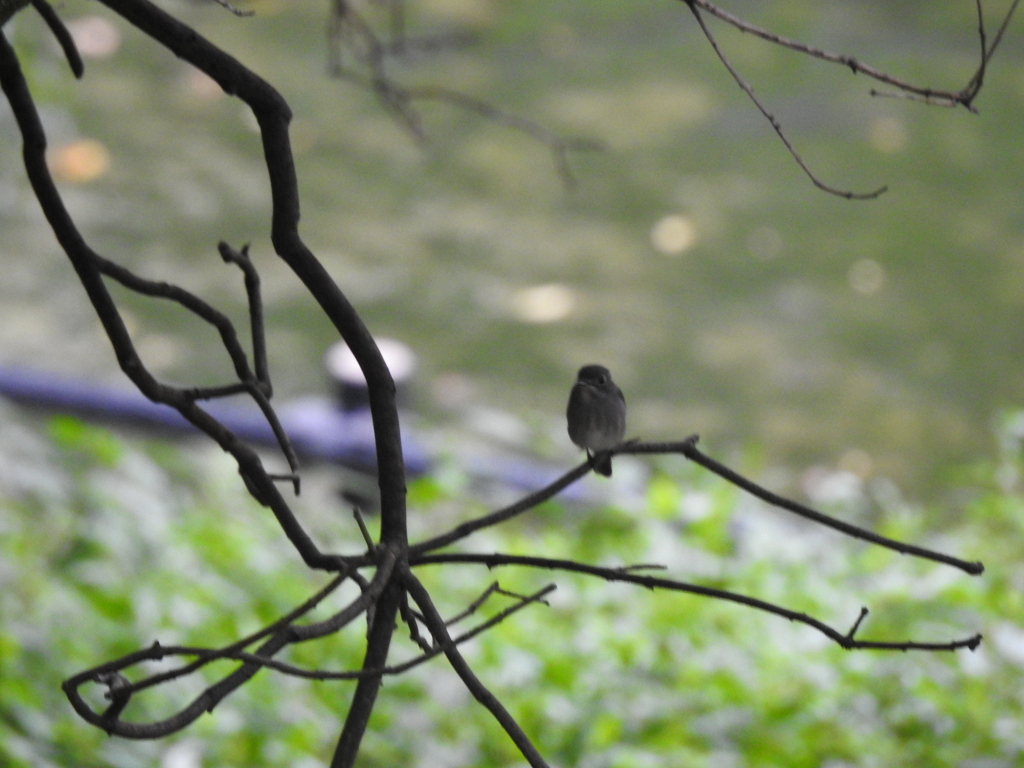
[[602, 463]]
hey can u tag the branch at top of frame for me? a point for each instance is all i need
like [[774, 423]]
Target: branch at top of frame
[[399, 99], [964, 97], [234, 9], [773, 121]]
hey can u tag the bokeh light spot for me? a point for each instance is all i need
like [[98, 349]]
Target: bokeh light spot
[[888, 135], [544, 303], [673, 235], [95, 37], [79, 161], [866, 276]]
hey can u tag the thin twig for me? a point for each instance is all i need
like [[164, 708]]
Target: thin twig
[[64, 38], [398, 99], [370, 546], [255, 300], [237, 11], [689, 449], [559, 146], [480, 692], [463, 530], [747, 89], [963, 97], [856, 624], [227, 651], [411, 619], [210, 697], [157, 652]]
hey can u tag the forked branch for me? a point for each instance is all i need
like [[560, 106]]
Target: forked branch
[[627, 575], [964, 97], [348, 31]]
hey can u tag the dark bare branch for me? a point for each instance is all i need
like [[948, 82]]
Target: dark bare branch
[[463, 530], [963, 97], [441, 637], [747, 89], [64, 38], [688, 448], [373, 53], [233, 9], [255, 300], [283, 634], [497, 559], [204, 656], [378, 643]]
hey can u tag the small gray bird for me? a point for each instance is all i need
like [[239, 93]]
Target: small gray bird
[[596, 414]]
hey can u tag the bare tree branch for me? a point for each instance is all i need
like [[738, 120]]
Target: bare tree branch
[[273, 116], [378, 642], [964, 97], [346, 24], [747, 89], [437, 628], [845, 640], [256, 325], [204, 656], [64, 38], [90, 266], [525, 504], [688, 448], [282, 633]]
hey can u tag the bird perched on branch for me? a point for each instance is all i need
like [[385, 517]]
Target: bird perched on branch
[[596, 414]]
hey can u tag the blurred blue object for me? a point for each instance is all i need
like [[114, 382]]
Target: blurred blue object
[[316, 426]]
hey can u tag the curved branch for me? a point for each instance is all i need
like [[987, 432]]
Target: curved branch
[[845, 640], [157, 651], [772, 120], [64, 38], [398, 99], [273, 116], [688, 448], [257, 384], [232, 652], [963, 97], [201, 309], [437, 628], [86, 263], [523, 505], [285, 635]]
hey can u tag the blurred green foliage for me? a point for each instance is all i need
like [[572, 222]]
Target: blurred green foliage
[[108, 544]]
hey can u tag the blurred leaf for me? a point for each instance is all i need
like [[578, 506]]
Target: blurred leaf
[[71, 434]]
